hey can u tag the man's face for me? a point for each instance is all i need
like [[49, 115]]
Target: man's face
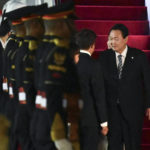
[[118, 43]]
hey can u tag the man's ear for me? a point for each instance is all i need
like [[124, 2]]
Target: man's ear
[[92, 46], [126, 39]]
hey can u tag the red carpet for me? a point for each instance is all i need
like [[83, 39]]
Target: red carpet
[[145, 146], [99, 12], [102, 26], [101, 15], [146, 122], [146, 134], [111, 2]]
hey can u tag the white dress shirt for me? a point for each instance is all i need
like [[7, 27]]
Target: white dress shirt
[[124, 54], [85, 51], [104, 124]]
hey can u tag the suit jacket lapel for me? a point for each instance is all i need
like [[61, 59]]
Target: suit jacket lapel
[[113, 65], [127, 63]]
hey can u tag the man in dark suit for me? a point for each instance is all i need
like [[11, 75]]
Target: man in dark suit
[[127, 78], [91, 81]]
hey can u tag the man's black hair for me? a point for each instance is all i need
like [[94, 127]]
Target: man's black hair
[[122, 28], [85, 39]]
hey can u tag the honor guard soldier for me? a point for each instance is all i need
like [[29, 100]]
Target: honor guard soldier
[[15, 39], [14, 16], [24, 63], [56, 71], [40, 114], [4, 123], [4, 40]]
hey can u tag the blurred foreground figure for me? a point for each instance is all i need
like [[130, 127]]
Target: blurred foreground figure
[[24, 63], [4, 123], [4, 40], [16, 40], [54, 76]]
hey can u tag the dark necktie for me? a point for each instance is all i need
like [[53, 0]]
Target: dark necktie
[[119, 66]]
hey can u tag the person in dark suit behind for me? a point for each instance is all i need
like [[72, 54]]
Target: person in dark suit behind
[[127, 78], [91, 82]]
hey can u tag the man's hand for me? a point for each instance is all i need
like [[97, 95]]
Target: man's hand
[[104, 130], [148, 113]]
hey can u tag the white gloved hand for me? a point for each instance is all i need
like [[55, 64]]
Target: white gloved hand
[[63, 144]]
